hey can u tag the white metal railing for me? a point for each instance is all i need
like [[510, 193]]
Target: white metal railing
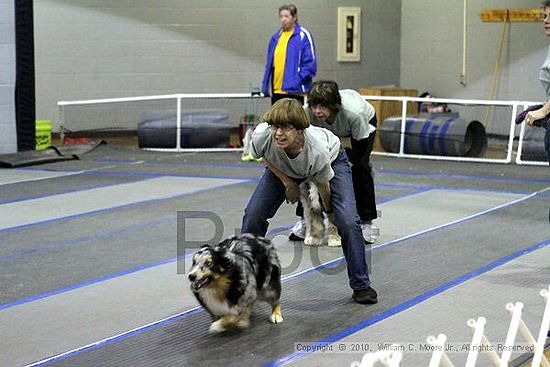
[[514, 110], [178, 98], [480, 342]]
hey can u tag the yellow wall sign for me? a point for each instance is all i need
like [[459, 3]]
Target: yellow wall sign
[[511, 15]]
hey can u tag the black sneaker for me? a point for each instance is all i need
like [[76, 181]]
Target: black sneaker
[[365, 296], [293, 237]]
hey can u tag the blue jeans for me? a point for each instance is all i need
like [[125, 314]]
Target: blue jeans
[[270, 194]]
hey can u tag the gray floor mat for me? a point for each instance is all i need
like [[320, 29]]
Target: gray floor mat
[[320, 303], [71, 251]]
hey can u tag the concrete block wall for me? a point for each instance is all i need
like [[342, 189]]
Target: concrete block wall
[[8, 138], [431, 54], [99, 49]]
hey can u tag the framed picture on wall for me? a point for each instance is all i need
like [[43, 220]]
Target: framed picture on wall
[[349, 34]]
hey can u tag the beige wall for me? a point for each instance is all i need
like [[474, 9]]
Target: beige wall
[[431, 53], [100, 49]]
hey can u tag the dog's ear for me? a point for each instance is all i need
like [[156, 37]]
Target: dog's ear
[[220, 258], [203, 248], [226, 243], [219, 249]]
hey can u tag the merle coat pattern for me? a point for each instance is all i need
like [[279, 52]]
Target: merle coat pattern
[[229, 277]]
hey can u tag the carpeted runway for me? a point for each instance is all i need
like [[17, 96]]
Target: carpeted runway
[[89, 277]]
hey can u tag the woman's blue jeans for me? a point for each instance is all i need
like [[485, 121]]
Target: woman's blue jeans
[[270, 194]]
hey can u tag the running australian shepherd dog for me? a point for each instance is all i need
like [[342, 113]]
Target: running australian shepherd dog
[[229, 277]]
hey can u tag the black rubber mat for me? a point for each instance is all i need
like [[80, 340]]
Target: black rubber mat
[[48, 155]]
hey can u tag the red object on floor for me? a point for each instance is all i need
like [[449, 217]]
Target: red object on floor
[[68, 141]]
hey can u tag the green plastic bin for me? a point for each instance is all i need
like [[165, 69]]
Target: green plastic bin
[[43, 134]]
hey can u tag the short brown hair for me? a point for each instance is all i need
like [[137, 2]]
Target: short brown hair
[[291, 9], [287, 112], [325, 93]]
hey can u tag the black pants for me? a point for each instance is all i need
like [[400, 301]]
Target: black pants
[[363, 183], [276, 97]]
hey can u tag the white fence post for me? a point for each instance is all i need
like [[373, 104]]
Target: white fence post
[[387, 358], [439, 355], [478, 328], [515, 312], [479, 342], [543, 332]]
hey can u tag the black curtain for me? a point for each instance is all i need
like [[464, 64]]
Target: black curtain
[[24, 75]]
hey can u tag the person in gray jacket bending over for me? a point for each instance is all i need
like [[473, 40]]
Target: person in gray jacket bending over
[[353, 120], [293, 152]]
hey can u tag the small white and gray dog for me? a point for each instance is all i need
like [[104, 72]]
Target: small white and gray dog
[[228, 278], [319, 228]]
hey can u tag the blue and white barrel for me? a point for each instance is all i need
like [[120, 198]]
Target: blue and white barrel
[[435, 134]]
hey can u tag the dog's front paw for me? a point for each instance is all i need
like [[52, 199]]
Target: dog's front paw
[[334, 240], [275, 319], [216, 327], [311, 241]]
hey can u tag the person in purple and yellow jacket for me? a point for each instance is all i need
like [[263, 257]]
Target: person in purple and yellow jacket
[[291, 62]]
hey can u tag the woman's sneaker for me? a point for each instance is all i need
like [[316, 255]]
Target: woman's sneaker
[[370, 232], [298, 232]]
